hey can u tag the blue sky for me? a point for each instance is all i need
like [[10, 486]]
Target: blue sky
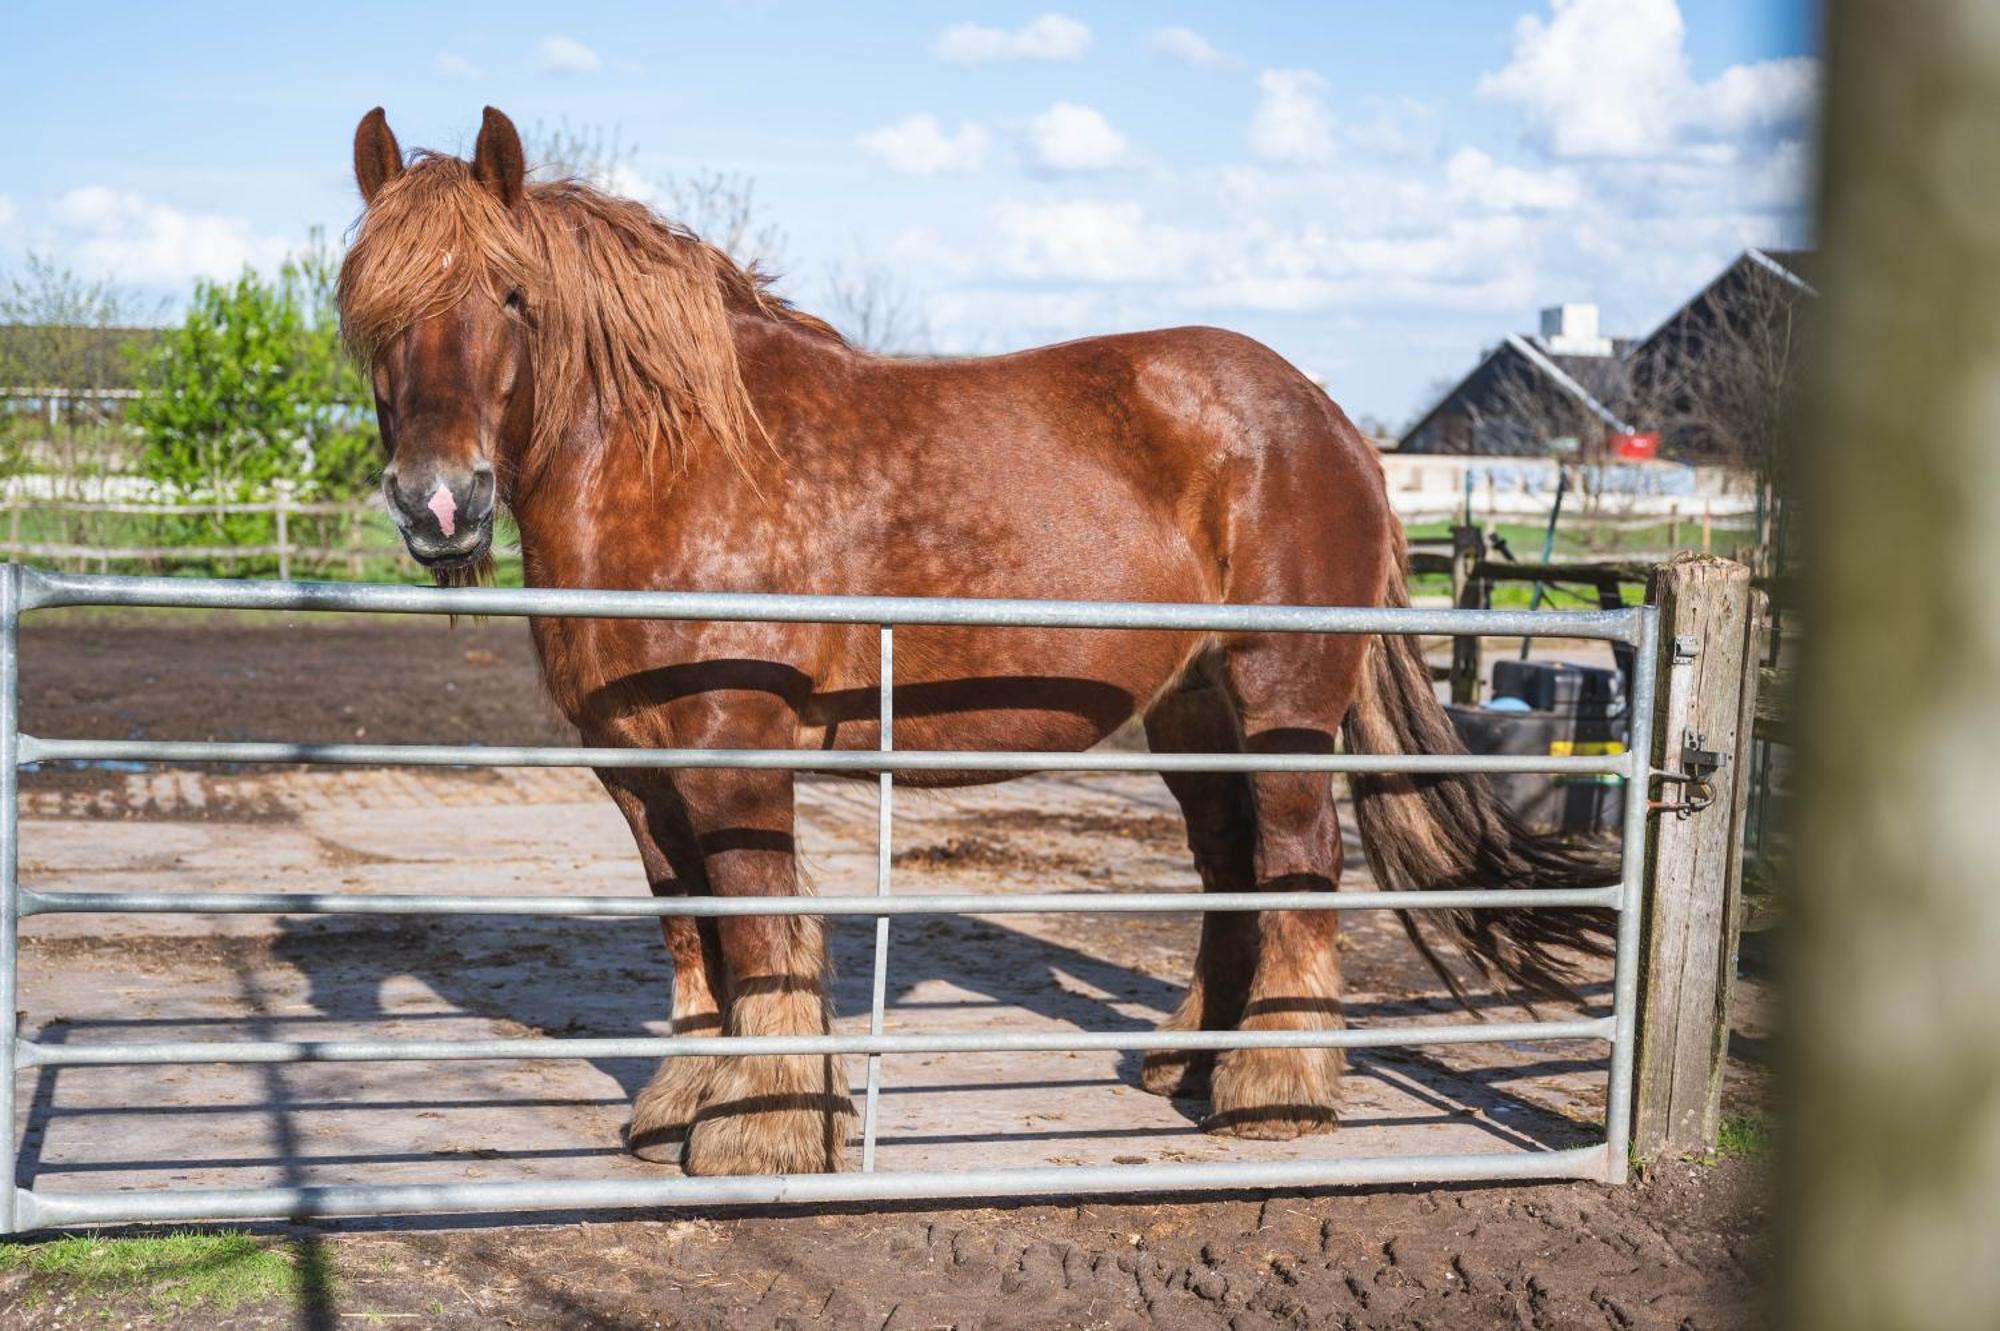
[[1377, 190]]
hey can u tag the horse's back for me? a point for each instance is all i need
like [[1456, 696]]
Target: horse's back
[[1193, 433]]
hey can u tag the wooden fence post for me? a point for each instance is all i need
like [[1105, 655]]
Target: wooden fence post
[[1694, 870], [1468, 547], [354, 543], [281, 507]]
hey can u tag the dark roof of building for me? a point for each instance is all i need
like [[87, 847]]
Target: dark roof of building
[[1583, 378], [1795, 268], [1802, 264], [1593, 380]]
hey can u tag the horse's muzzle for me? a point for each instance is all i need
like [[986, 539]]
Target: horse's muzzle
[[446, 519]]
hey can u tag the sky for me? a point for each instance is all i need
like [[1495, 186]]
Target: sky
[[1379, 191]]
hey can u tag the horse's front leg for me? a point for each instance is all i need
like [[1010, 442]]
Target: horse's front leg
[[663, 1112], [767, 1113]]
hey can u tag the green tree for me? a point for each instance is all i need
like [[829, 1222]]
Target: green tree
[[254, 387]]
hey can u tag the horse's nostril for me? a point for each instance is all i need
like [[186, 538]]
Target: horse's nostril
[[479, 501]]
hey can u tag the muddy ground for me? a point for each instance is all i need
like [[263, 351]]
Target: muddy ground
[[1680, 1248]]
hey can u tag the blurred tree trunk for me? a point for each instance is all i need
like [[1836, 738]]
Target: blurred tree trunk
[[1892, 1167]]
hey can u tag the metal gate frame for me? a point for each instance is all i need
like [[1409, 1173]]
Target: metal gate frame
[[23, 590]]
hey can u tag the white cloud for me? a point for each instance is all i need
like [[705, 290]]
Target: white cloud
[[1292, 123], [1477, 179], [918, 146], [1049, 37], [1089, 241], [1610, 78], [1190, 48], [566, 55], [1070, 137], [6, 210], [1771, 94], [454, 66], [1397, 127], [128, 237], [627, 183]]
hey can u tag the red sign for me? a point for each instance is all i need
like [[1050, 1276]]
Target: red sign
[[1640, 447]]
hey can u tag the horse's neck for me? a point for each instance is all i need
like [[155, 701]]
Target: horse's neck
[[598, 514]]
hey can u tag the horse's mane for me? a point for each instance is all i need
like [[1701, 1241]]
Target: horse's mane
[[628, 312]]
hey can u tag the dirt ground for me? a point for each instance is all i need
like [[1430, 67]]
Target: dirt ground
[[1679, 1248]]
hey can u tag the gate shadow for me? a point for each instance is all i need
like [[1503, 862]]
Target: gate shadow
[[569, 978]]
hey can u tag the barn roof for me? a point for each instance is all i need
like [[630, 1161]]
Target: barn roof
[[1582, 378]]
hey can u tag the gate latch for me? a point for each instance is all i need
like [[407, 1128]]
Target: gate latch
[[1696, 777]]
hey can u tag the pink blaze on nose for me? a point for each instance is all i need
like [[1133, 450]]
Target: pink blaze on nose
[[445, 507]]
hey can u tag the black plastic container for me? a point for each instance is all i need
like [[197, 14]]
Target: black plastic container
[[1573, 711]]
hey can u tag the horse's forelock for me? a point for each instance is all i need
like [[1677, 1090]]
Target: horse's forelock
[[629, 315], [428, 240]]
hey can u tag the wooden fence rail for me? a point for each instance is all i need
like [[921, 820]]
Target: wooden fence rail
[[282, 507]]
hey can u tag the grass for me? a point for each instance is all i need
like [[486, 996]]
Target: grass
[[1576, 540], [182, 1270], [1743, 1137]]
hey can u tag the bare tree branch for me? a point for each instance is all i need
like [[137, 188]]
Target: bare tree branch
[[719, 206], [870, 304]]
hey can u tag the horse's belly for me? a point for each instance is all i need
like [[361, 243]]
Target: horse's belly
[[1036, 690]]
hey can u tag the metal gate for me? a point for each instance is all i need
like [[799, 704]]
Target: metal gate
[[22, 1208]]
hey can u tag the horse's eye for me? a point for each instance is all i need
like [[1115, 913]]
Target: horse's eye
[[514, 301]]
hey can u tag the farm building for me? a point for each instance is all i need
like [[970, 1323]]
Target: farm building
[[1715, 373], [1530, 396], [1705, 381]]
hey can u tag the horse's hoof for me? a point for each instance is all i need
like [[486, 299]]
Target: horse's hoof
[[666, 1108], [1274, 1094], [1179, 1074], [1272, 1123], [656, 1146], [772, 1141]]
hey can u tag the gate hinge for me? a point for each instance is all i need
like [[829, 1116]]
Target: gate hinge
[[1696, 777], [1687, 646]]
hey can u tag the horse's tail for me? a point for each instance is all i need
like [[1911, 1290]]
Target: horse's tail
[[1428, 832]]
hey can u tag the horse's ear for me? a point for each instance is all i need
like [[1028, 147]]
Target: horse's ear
[[497, 160], [377, 158]]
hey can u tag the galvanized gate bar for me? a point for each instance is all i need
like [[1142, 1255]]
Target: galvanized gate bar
[[1023, 903], [41, 589], [34, 749], [885, 795], [32, 1054], [1632, 885], [24, 589], [56, 1210]]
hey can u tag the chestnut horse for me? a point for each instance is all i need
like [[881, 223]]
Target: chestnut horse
[[653, 417]]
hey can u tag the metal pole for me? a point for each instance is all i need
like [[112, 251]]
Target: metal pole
[[33, 902], [1548, 544], [61, 1210], [36, 749], [10, 673], [884, 797], [1632, 886], [29, 1053], [41, 589]]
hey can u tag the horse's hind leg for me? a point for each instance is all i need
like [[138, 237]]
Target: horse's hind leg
[[663, 1112], [1195, 718], [1290, 694]]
